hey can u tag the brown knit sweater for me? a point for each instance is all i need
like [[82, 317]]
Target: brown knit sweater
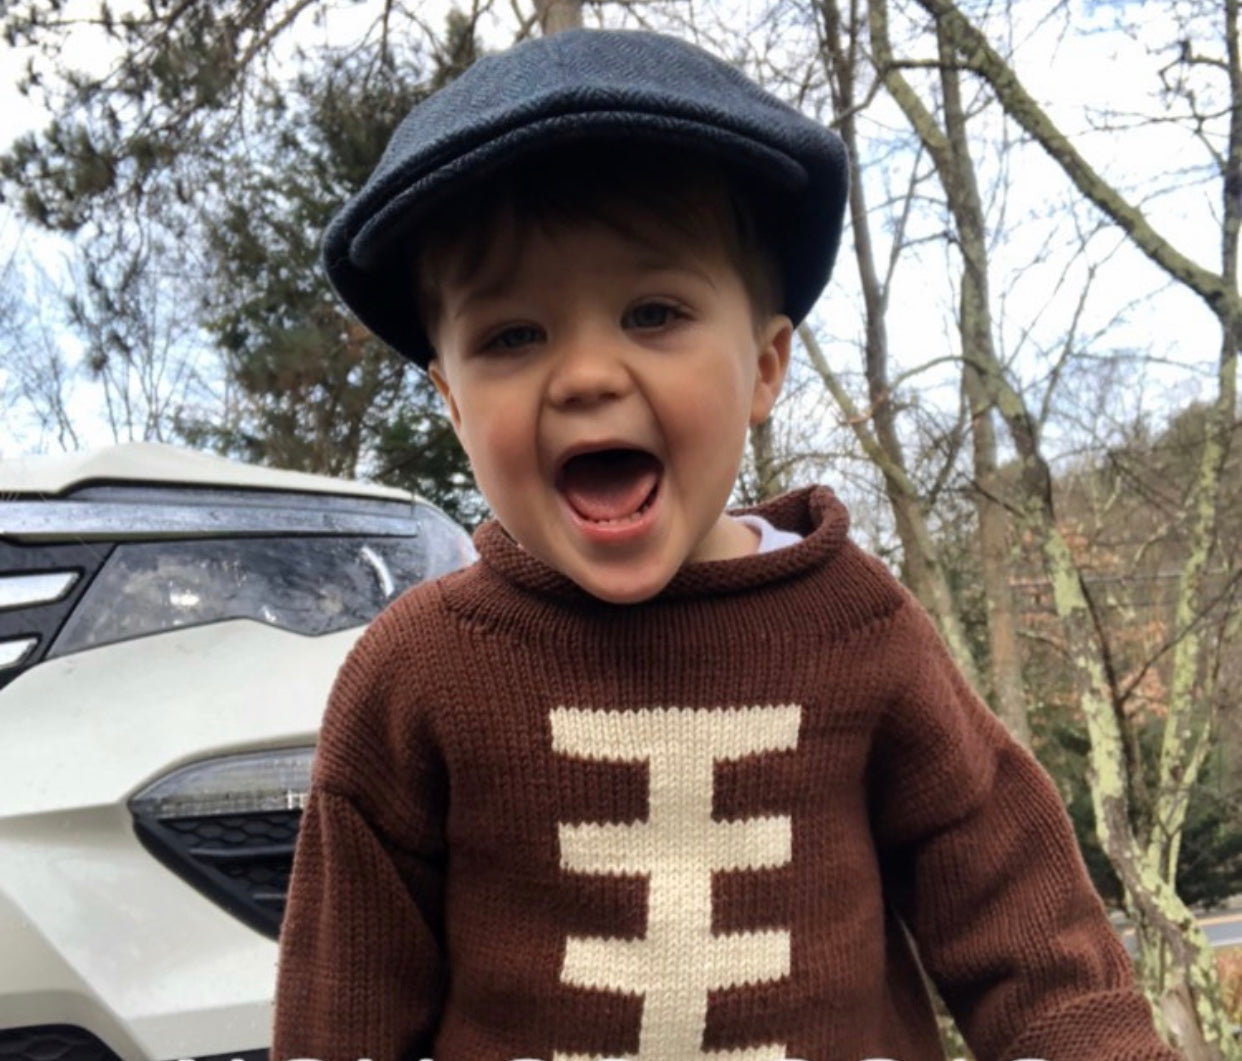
[[705, 826]]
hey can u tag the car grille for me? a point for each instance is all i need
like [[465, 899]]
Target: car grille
[[241, 861], [52, 1042], [65, 1042]]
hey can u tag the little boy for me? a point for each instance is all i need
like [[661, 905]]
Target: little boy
[[653, 780]]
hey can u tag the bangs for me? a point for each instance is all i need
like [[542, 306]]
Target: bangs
[[650, 200]]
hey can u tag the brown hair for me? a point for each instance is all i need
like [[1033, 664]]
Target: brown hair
[[589, 182]]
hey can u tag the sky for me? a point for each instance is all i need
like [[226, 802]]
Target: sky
[[1087, 78], [1096, 84]]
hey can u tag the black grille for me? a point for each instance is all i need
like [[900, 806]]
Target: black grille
[[52, 1042], [64, 1042], [241, 861]]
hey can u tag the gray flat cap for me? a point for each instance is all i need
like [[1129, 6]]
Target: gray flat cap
[[610, 85]]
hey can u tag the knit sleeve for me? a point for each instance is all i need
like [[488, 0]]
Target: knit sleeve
[[361, 970], [982, 865], [359, 966]]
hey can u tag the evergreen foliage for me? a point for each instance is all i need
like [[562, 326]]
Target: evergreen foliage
[[314, 391], [196, 155]]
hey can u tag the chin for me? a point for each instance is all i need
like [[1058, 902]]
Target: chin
[[622, 589]]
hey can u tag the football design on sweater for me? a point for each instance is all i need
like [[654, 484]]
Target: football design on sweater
[[677, 849]]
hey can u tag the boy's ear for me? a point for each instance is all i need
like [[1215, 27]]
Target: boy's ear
[[775, 342], [436, 371]]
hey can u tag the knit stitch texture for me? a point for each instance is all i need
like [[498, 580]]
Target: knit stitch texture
[[710, 825]]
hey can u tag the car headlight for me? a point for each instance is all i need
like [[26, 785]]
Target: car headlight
[[228, 827]]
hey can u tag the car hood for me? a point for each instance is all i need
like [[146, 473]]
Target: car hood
[[91, 728], [153, 462]]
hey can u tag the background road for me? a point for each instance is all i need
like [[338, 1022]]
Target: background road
[[1223, 929]]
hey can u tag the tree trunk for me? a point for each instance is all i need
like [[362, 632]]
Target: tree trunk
[[975, 329], [1005, 661], [922, 569], [770, 479], [556, 16]]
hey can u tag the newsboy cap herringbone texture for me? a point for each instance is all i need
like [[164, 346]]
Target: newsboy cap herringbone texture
[[611, 86]]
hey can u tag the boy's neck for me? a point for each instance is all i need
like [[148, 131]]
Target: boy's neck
[[752, 536]]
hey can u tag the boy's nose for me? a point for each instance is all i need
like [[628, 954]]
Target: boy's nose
[[589, 368]]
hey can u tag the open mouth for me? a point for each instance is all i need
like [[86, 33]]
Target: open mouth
[[610, 486]]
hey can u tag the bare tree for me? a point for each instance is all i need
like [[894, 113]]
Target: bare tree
[[1142, 844], [841, 50], [142, 347], [35, 382]]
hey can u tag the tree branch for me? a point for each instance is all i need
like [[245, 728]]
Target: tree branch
[[979, 56]]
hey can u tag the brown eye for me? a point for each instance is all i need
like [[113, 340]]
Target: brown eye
[[651, 315], [514, 338]]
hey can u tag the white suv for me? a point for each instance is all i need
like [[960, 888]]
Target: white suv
[[170, 624]]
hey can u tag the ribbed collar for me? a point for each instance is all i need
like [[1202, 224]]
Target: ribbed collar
[[815, 513]]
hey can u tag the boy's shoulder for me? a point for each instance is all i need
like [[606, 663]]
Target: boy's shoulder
[[852, 595], [419, 614], [406, 644], [849, 579], [386, 691]]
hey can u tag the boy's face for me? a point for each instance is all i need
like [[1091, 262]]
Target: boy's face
[[602, 384]]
